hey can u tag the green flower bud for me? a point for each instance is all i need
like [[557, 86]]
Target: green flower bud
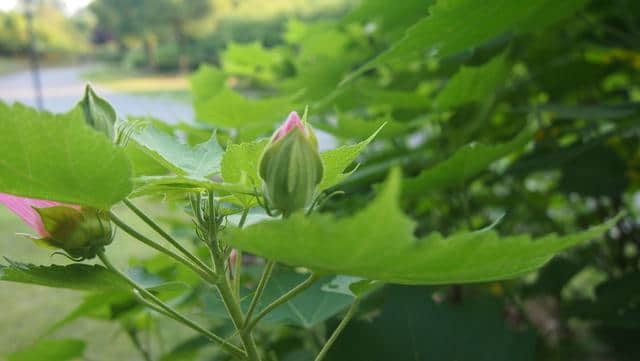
[[291, 167], [79, 232]]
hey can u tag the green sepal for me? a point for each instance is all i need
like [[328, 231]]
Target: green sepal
[[291, 169], [98, 113], [80, 233]]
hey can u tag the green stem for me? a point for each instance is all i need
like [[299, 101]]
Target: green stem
[[281, 300], [207, 274], [325, 349], [235, 312], [172, 312], [164, 234], [264, 279], [238, 266]]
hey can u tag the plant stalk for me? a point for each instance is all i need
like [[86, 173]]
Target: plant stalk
[[341, 326], [235, 312], [206, 274], [172, 312], [164, 234], [264, 279], [250, 324]]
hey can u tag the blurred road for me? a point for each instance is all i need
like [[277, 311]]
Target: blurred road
[[63, 87]]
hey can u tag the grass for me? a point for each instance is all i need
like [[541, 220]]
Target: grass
[[28, 311], [175, 86]]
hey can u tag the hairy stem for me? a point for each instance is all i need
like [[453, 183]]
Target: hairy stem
[[235, 312], [206, 274], [151, 298], [164, 234], [325, 349], [282, 299]]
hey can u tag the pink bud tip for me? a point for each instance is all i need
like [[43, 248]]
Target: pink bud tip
[[293, 120], [24, 207]]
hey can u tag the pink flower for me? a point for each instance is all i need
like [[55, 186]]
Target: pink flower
[[25, 208], [292, 121]]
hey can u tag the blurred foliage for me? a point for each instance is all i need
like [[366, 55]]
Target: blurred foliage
[[56, 35], [520, 117], [530, 125]]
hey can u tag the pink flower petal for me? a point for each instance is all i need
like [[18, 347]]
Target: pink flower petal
[[24, 207], [293, 120]]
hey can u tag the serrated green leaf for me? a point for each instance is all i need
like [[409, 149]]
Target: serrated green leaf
[[242, 159], [457, 25], [473, 84], [378, 243], [336, 160], [200, 161], [464, 164], [76, 276], [50, 350], [59, 157]]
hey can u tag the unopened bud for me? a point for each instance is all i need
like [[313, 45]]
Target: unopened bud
[[81, 233], [290, 166]]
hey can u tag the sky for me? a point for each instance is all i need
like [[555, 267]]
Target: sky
[[71, 5]]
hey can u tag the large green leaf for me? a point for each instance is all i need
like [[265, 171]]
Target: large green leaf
[[456, 25], [336, 160], [464, 164], [473, 84], [378, 243], [75, 276], [59, 157], [50, 350], [412, 326], [200, 161]]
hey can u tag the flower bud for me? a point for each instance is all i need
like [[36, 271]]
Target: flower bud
[[290, 166], [79, 232]]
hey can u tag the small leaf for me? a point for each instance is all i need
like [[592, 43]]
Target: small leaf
[[58, 157], [463, 165], [50, 350], [335, 161], [240, 164], [378, 243], [200, 161], [75, 276], [98, 113]]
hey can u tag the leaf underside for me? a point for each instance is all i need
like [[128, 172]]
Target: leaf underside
[[378, 243]]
